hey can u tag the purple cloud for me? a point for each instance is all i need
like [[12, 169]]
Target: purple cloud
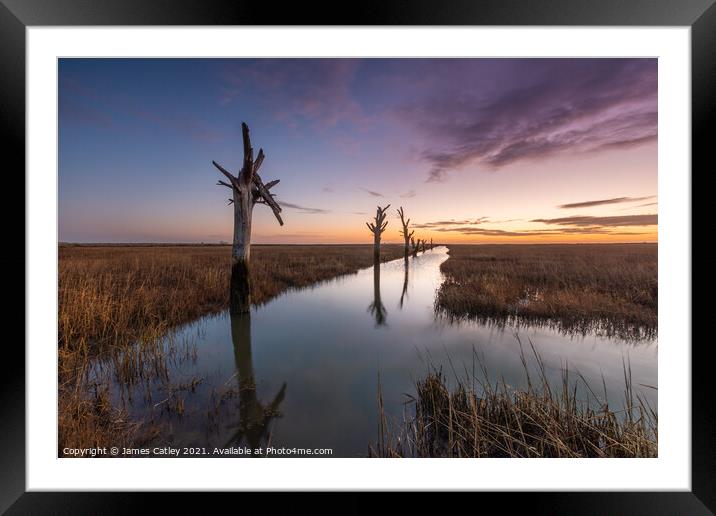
[[649, 219], [534, 108], [303, 209], [601, 202], [442, 223], [372, 193], [295, 90]]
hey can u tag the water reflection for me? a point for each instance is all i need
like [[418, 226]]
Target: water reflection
[[240, 288], [377, 308], [405, 283], [322, 342], [255, 419]]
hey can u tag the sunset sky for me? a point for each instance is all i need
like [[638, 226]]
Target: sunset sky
[[475, 150]]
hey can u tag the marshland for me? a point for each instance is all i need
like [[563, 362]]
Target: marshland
[[148, 352], [481, 279]]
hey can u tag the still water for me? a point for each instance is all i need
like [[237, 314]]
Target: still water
[[303, 370]]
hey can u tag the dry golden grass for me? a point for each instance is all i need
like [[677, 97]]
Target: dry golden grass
[[112, 296], [610, 287], [539, 421]]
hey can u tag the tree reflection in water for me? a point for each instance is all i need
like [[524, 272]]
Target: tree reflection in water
[[254, 426], [376, 308]]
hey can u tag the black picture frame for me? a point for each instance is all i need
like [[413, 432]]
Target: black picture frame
[[17, 15]]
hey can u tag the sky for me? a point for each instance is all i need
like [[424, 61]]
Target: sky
[[474, 150]]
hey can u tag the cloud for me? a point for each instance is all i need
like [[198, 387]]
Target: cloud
[[600, 202], [83, 104], [641, 205], [451, 222], [327, 189], [579, 225], [536, 232], [408, 195], [535, 108], [649, 219], [297, 90], [501, 232], [303, 209], [372, 193]]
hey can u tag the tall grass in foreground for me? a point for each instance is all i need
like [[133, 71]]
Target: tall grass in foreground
[[499, 421]]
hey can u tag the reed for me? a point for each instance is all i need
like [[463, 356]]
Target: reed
[[478, 418]]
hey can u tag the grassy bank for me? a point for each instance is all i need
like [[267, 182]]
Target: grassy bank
[[111, 296], [612, 287], [122, 294], [478, 418]]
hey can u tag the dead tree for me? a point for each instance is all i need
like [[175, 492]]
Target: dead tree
[[415, 245], [431, 244], [377, 227], [407, 235], [247, 190], [423, 244]]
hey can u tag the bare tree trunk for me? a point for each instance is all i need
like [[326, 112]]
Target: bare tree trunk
[[247, 190], [240, 293], [377, 227], [376, 248], [243, 210], [407, 235]]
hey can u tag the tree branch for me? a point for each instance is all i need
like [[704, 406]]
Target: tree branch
[[271, 184], [248, 170], [230, 177], [259, 160], [263, 192]]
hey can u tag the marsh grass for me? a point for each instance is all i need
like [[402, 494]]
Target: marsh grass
[[608, 288], [478, 418]]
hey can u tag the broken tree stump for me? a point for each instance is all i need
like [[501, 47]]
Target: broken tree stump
[[407, 235], [247, 190], [377, 227]]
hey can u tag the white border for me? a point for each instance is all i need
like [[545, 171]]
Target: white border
[[670, 471]]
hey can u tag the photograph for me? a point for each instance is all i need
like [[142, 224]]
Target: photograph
[[357, 257]]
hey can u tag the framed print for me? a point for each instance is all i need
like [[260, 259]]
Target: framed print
[[419, 249]]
